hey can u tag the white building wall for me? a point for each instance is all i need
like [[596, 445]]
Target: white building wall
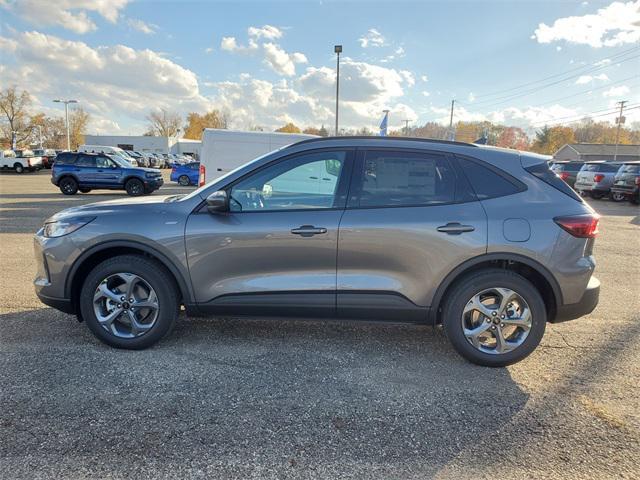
[[139, 143]]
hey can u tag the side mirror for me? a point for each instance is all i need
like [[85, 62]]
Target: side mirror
[[218, 202]]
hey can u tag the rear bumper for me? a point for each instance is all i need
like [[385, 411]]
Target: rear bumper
[[585, 306]]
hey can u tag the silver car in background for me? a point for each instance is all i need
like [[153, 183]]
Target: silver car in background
[[595, 179], [487, 242]]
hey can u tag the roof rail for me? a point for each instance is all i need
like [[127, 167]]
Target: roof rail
[[370, 137]]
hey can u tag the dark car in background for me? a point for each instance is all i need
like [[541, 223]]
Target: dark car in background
[[186, 174], [596, 178], [626, 183], [80, 171], [567, 171]]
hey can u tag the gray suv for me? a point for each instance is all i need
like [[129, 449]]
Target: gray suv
[[485, 241]]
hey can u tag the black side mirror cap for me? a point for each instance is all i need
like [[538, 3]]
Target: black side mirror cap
[[218, 202]]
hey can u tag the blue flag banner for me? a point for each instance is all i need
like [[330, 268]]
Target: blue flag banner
[[383, 125]]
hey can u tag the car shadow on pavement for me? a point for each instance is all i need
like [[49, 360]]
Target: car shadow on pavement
[[240, 397]]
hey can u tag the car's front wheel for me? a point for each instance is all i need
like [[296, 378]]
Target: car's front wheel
[[184, 180], [618, 197], [134, 187], [494, 317], [129, 302]]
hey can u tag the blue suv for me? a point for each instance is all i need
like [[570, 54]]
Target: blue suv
[[77, 171], [187, 174]]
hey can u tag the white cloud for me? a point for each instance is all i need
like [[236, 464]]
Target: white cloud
[[69, 14], [604, 61], [109, 82], [408, 77], [613, 25], [584, 79], [230, 44], [616, 91], [425, 93], [424, 78], [139, 25], [373, 38], [471, 97], [267, 31], [280, 61]]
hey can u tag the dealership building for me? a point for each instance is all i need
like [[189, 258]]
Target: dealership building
[[589, 152], [149, 144]]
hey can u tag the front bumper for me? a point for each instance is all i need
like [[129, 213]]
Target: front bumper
[[585, 306], [63, 304], [154, 183]]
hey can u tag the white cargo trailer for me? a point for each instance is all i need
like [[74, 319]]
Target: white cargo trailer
[[225, 150]]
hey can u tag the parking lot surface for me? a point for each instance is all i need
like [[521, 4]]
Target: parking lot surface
[[258, 398]]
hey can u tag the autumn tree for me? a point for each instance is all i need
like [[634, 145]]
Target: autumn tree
[[513, 137], [51, 130], [14, 107], [549, 139], [163, 123], [78, 123], [311, 131], [196, 123], [289, 128]]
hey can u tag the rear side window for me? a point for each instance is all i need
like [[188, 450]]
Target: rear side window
[[66, 158], [391, 178], [86, 161], [542, 172], [489, 182]]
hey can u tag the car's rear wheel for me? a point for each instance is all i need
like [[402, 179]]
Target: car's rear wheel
[[494, 317], [18, 167], [183, 180], [68, 186], [129, 302], [617, 197], [134, 187]]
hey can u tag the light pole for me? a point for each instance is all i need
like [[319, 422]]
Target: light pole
[[66, 118], [338, 50]]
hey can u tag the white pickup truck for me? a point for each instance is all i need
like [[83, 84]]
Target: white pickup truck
[[20, 160]]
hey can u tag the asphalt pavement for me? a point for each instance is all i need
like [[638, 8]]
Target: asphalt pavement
[[287, 398]]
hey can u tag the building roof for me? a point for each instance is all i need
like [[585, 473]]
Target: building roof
[[587, 149]]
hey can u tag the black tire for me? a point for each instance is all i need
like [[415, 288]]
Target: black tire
[[134, 187], [151, 272], [617, 197], [466, 289], [184, 180], [18, 167], [84, 190], [68, 186]]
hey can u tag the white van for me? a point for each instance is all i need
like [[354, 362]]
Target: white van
[[117, 151], [225, 150]]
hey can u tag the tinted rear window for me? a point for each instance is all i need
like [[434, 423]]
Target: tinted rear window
[[66, 158], [600, 167], [488, 182], [542, 172], [629, 169]]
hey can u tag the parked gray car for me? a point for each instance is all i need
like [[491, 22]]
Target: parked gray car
[[486, 241], [595, 179]]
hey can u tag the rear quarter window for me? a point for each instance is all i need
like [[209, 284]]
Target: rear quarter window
[[66, 159], [488, 181], [543, 173]]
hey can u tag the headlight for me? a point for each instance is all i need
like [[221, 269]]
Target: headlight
[[65, 227], [151, 175]]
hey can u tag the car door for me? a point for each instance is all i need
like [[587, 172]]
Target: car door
[[276, 247], [85, 169], [410, 219], [107, 171]]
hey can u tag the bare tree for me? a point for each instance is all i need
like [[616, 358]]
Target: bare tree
[[78, 122], [14, 105], [163, 123]]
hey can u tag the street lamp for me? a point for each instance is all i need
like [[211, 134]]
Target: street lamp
[[338, 50], [66, 117]]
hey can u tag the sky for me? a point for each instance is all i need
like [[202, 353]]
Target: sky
[[266, 63]]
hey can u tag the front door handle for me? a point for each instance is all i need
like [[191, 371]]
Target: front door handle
[[455, 228], [308, 231]]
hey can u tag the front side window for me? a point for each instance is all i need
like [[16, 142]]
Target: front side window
[[307, 181], [396, 178], [104, 162]]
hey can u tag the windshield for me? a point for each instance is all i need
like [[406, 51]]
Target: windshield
[[9, 154], [207, 185]]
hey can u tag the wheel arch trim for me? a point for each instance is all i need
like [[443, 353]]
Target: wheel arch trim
[[183, 285], [462, 269]]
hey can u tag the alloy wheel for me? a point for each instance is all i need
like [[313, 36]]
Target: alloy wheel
[[125, 305], [496, 320]]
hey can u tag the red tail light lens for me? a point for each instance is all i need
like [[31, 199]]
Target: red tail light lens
[[637, 180], [201, 179], [173, 169], [564, 175], [598, 177], [581, 226]]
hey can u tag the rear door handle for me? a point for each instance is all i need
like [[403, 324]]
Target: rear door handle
[[308, 231], [455, 228]]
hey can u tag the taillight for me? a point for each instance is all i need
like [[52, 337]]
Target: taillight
[[581, 226], [173, 169], [637, 180], [202, 175], [564, 175], [598, 177]]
